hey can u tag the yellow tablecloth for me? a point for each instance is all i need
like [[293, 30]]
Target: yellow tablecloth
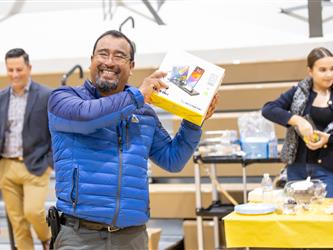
[[311, 229]]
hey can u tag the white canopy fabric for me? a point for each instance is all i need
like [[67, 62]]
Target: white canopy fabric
[[60, 34]]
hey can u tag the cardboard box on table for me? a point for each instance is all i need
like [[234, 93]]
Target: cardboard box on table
[[192, 82]]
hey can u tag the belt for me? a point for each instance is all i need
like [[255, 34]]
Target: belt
[[20, 158], [72, 221]]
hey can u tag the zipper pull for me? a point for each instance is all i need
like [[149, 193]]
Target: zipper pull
[[134, 119], [120, 143], [127, 135]]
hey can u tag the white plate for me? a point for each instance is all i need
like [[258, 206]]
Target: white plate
[[255, 208]]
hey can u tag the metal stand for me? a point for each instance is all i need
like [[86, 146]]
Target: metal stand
[[215, 200], [217, 210], [198, 205], [244, 182]]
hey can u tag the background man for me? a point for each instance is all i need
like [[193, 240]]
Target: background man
[[103, 134], [25, 150]]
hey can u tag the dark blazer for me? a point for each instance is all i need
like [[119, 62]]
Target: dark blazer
[[278, 111], [36, 136]]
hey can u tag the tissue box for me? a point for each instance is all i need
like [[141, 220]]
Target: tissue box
[[192, 82], [257, 195]]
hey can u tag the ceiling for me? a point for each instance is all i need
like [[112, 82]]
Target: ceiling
[[60, 34]]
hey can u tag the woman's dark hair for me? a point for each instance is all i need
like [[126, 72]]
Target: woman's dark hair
[[17, 52], [117, 34], [316, 54]]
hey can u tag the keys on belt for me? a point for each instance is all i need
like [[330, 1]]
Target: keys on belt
[[112, 229]]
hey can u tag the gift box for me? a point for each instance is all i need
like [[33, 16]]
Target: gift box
[[192, 82]]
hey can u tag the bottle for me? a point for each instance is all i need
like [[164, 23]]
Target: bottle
[[267, 188]]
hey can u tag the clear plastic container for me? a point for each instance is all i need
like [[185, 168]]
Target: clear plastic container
[[257, 136]]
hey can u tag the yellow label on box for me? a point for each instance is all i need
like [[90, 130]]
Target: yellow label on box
[[177, 109]]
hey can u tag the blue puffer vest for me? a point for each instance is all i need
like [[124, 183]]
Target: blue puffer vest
[[101, 146]]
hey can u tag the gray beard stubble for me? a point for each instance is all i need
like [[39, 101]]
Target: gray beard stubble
[[105, 86]]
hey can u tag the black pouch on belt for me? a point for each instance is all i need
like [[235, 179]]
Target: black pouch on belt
[[53, 220]]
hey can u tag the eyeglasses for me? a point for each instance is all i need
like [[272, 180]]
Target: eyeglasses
[[117, 58]]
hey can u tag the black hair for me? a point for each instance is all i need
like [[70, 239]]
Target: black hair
[[316, 54], [17, 52], [117, 34]]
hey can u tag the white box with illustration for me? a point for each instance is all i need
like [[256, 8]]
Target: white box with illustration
[[192, 82]]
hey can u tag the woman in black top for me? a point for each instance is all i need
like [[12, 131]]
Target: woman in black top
[[308, 148]]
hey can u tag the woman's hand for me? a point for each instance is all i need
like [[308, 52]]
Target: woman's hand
[[302, 125], [317, 144]]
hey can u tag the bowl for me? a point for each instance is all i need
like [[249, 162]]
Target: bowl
[[305, 191]]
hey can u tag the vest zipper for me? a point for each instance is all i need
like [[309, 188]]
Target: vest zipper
[[120, 153], [75, 187]]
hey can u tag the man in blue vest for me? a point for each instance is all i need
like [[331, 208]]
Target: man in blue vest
[[103, 134]]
